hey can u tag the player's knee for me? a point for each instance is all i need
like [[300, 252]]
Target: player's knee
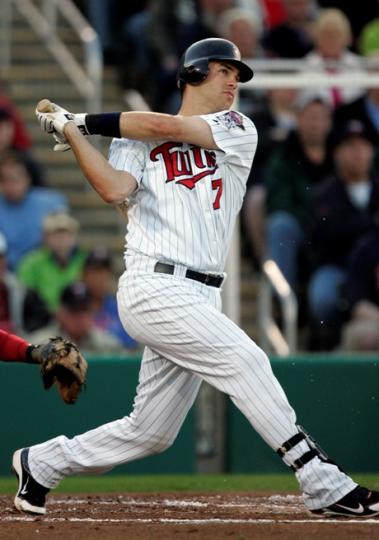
[[160, 443], [250, 354]]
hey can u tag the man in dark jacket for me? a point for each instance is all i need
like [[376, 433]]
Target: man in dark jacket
[[362, 291], [344, 208], [290, 175], [365, 109]]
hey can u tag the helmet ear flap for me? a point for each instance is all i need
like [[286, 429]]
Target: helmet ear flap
[[194, 73]]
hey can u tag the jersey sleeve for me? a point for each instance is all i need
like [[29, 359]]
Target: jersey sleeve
[[128, 155], [12, 347], [234, 134]]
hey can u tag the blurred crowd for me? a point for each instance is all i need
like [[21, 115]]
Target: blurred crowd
[[49, 284], [312, 203]]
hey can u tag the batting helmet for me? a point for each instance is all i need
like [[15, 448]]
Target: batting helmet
[[194, 64]]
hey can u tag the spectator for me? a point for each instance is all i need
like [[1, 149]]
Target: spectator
[[21, 139], [23, 207], [274, 117], [97, 275], [369, 38], [20, 309], [332, 36], [344, 208], [293, 37], [291, 174], [256, 8], [362, 291], [358, 14], [244, 29], [7, 138], [365, 108], [11, 295], [50, 268], [273, 12], [74, 321]]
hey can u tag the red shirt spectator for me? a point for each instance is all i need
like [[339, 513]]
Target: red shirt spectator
[[21, 138]]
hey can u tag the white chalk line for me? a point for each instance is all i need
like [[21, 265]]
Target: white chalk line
[[172, 503], [211, 521]]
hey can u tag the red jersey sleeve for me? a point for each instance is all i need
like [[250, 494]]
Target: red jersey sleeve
[[12, 348]]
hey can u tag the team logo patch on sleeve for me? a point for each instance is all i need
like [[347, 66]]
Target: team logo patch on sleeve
[[231, 119]]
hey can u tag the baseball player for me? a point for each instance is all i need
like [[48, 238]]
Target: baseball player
[[184, 179]]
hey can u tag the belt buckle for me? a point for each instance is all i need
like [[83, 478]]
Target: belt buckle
[[207, 279]]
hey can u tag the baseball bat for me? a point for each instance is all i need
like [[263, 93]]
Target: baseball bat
[[45, 105]]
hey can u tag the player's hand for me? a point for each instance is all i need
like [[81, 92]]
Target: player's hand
[[53, 118]]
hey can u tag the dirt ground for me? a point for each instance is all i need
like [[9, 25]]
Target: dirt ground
[[179, 516]]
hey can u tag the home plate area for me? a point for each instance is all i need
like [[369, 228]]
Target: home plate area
[[238, 516]]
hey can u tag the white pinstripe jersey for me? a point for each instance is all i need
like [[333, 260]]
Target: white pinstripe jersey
[[187, 200]]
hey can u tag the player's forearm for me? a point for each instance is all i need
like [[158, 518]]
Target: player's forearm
[[150, 126], [141, 126], [147, 126], [113, 186]]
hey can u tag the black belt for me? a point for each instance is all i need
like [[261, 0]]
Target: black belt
[[207, 279]]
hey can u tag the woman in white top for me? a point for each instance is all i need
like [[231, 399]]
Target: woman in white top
[[332, 37]]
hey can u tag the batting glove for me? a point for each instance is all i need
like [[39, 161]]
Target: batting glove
[[54, 121]]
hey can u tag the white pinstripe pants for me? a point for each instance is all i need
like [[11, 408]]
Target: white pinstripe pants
[[187, 339]]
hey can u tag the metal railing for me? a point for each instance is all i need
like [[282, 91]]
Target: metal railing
[[44, 22], [282, 343], [303, 74]]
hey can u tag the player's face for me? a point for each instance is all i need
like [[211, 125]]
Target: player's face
[[220, 87]]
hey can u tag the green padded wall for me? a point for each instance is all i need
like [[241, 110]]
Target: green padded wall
[[29, 414], [336, 400]]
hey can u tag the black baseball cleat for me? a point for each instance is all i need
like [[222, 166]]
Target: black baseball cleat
[[31, 496], [359, 503]]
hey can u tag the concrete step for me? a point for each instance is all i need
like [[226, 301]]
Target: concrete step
[[49, 72], [249, 311], [62, 91], [101, 217], [48, 157], [63, 179], [86, 199], [251, 331], [249, 285], [38, 72], [24, 34], [36, 52], [113, 242]]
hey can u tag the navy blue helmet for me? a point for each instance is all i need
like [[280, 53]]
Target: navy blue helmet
[[194, 64]]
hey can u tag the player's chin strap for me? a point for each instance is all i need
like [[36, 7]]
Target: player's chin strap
[[314, 450]]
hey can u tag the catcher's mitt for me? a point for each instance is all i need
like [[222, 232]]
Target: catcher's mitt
[[61, 363]]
